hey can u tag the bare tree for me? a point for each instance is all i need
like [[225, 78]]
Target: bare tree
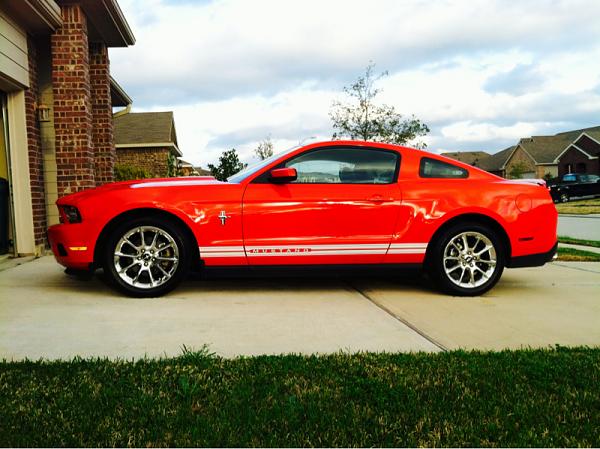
[[264, 149], [360, 118]]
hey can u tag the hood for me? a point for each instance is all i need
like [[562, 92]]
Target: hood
[[138, 184]]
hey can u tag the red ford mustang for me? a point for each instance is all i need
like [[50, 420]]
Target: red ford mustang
[[330, 203]]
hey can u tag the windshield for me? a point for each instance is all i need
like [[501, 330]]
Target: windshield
[[253, 168]]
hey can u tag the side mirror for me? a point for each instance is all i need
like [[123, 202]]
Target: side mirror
[[283, 175]]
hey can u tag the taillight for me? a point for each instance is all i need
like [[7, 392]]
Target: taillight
[[69, 214]]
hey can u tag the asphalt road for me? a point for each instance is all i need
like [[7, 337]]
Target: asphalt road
[[580, 226], [47, 314]]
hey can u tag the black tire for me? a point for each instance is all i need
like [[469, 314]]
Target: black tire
[[170, 236], [564, 197], [438, 260]]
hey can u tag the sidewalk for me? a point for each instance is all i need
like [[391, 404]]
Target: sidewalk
[[590, 249]]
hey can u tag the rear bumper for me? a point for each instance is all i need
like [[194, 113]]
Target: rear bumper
[[70, 246], [532, 260]]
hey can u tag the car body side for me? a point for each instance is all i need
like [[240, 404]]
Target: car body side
[[522, 213]]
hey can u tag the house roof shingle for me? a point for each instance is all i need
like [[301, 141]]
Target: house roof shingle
[[468, 157], [496, 161], [545, 149], [144, 127], [593, 131]]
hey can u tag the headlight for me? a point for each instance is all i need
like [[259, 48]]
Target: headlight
[[69, 214]]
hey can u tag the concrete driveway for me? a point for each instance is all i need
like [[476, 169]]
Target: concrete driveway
[[45, 313]]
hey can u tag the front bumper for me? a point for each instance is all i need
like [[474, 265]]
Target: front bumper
[[532, 260], [70, 246]]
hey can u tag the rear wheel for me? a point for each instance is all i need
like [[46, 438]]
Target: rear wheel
[[146, 257], [564, 198], [467, 259]]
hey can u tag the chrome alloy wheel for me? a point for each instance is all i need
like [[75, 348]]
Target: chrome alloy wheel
[[470, 259], [146, 257]]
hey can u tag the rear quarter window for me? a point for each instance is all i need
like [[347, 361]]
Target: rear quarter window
[[433, 168]]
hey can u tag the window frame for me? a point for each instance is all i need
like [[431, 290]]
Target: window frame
[[425, 176], [263, 178]]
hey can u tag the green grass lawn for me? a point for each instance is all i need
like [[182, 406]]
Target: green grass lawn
[[510, 398], [575, 255], [574, 241], [582, 207]]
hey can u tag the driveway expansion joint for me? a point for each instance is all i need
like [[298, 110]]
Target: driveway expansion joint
[[574, 268], [408, 324]]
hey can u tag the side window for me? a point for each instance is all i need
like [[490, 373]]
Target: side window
[[345, 166], [432, 168]]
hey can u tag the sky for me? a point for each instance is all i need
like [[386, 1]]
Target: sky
[[480, 73]]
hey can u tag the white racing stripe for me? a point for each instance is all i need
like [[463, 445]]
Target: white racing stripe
[[313, 250], [407, 251], [221, 248], [222, 251], [407, 248]]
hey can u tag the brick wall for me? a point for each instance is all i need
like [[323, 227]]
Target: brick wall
[[587, 145], [72, 106], [102, 124], [34, 144], [520, 158], [153, 160], [578, 161]]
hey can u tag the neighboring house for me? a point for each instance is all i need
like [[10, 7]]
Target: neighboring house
[[575, 151], [56, 99], [202, 171], [147, 140], [186, 169], [468, 157], [582, 155], [496, 162]]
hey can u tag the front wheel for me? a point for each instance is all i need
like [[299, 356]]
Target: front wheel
[[467, 260], [146, 257]]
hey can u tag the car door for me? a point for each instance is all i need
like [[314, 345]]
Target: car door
[[341, 209]]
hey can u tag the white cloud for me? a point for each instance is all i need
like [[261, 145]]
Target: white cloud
[[482, 132], [235, 71], [206, 129]]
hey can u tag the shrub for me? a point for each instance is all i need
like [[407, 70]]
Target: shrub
[[128, 172]]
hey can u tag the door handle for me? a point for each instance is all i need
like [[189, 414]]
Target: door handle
[[377, 199]]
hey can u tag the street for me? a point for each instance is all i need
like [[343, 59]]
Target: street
[[579, 226]]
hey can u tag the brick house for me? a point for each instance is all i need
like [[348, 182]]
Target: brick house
[[575, 151], [186, 169], [146, 140], [56, 99], [582, 155], [496, 163]]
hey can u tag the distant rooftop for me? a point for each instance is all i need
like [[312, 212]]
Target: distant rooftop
[[468, 157], [543, 149], [145, 129]]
